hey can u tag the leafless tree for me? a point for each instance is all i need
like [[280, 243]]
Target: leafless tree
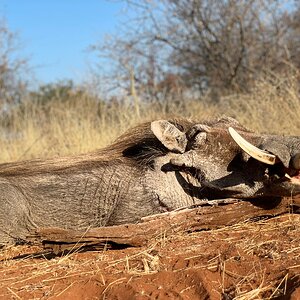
[[221, 45], [293, 35], [12, 67]]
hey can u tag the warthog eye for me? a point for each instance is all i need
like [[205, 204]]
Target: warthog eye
[[198, 141]]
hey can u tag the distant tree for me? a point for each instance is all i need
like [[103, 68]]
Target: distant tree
[[293, 36], [13, 67], [205, 44], [61, 91]]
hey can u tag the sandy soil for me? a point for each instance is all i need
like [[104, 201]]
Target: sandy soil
[[254, 260]]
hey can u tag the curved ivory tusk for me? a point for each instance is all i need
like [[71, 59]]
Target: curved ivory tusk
[[250, 149], [296, 161]]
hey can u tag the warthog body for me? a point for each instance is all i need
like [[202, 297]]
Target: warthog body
[[178, 163]]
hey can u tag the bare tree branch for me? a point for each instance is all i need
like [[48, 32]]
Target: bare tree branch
[[190, 219], [221, 45]]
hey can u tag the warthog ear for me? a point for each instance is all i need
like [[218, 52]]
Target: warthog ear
[[169, 135]]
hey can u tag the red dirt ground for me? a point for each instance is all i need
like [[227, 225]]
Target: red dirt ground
[[254, 260]]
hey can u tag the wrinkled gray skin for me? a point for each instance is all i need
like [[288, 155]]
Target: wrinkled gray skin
[[177, 164], [223, 169], [119, 184]]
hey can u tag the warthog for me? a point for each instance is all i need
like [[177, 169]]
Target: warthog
[[153, 168]]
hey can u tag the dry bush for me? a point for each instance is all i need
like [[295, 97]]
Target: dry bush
[[273, 105], [218, 44], [83, 124], [76, 126]]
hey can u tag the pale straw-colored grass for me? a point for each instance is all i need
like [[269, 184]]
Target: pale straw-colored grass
[[82, 124]]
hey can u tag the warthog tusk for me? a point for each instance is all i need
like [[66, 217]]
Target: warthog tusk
[[250, 149], [296, 161]]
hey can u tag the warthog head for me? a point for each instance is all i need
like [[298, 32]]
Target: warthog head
[[228, 160]]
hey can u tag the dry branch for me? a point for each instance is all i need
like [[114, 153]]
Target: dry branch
[[190, 219]]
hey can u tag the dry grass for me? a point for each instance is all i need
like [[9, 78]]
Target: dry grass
[[255, 260], [244, 278], [82, 124], [42, 275], [77, 126], [273, 106]]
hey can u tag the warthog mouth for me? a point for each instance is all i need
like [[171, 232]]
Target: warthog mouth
[[273, 176], [278, 174], [293, 176]]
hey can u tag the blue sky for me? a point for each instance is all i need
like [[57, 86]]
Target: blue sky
[[55, 34]]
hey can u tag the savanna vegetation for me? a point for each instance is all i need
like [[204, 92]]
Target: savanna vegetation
[[78, 122], [195, 58], [191, 58]]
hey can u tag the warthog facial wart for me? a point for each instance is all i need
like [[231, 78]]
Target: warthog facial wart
[[152, 168]]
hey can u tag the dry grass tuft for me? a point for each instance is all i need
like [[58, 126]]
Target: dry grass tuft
[[273, 105], [243, 256], [41, 275], [84, 124], [77, 126]]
